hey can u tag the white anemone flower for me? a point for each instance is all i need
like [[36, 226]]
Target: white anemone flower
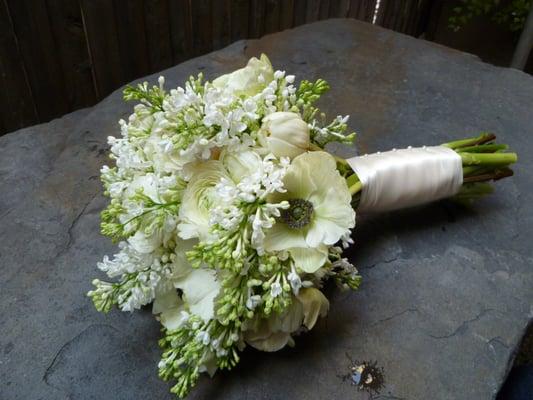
[[319, 214]]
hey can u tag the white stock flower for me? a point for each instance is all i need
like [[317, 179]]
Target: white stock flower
[[286, 134], [249, 80], [319, 214]]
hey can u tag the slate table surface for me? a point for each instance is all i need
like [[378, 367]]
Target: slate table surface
[[447, 291]]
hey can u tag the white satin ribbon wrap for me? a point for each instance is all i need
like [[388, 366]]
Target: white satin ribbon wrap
[[408, 177]]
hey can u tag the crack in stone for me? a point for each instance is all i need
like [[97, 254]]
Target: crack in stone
[[387, 261], [498, 340], [6, 213], [408, 310], [387, 397], [73, 224], [464, 325], [54, 359]]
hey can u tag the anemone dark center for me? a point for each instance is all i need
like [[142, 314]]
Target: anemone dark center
[[298, 214]]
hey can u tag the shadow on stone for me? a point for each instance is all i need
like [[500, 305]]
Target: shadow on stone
[[519, 383]]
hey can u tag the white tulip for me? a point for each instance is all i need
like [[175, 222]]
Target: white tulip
[[287, 134], [247, 81], [274, 333]]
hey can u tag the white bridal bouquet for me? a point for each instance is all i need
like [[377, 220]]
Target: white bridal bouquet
[[230, 215]]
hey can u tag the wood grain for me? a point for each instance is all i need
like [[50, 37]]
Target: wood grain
[[59, 55], [16, 100], [39, 54]]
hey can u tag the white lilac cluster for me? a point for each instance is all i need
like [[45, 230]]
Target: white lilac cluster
[[227, 212]]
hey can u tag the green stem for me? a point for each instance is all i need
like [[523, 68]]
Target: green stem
[[494, 176], [483, 148], [473, 170], [352, 180], [356, 188], [156, 207], [488, 159], [483, 138]]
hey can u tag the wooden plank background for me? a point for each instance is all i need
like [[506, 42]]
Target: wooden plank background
[[60, 55]]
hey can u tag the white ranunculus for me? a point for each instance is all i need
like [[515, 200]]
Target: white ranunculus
[[241, 164], [311, 179], [198, 198], [287, 134], [247, 81]]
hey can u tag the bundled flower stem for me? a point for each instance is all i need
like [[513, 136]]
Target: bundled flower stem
[[483, 161], [230, 216]]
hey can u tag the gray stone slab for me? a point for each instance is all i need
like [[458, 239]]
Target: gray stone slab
[[447, 291]]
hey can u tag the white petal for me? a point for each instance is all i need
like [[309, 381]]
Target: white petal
[[323, 168], [209, 364], [292, 319], [314, 304], [165, 300], [281, 148], [281, 237], [336, 206], [181, 266], [332, 231], [145, 244], [171, 309], [314, 234], [276, 341], [299, 179], [334, 218], [174, 318], [200, 288], [309, 259], [245, 81]]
